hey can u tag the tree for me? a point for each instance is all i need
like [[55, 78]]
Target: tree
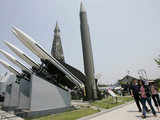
[[157, 60]]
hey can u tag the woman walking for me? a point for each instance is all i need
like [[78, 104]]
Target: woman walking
[[146, 96], [155, 97]]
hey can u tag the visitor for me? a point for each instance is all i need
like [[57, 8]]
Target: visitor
[[146, 96], [155, 97], [135, 93], [134, 90]]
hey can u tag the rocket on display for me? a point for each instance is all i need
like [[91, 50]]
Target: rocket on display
[[22, 55], [57, 50], [91, 88], [53, 68], [14, 61], [9, 67], [43, 55]]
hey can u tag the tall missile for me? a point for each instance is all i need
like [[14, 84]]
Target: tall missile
[[22, 55], [91, 89], [14, 61], [57, 50], [42, 54], [10, 68]]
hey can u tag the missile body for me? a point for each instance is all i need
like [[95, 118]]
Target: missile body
[[26, 40], [22, 55], [10, 68], [42, 54], [57, 50], [87, 55], [14, 61]]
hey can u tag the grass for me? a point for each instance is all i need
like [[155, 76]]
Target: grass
[[76, 114], [70, 115], [111, 102]]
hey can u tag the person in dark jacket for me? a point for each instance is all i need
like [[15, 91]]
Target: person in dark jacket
[[155, 96], [135, 93], [134, 90], [146, 96]]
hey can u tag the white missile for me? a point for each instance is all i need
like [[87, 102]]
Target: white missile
[[10, 68], [22, 55], [14, 61], [25, 39], [41, 53]]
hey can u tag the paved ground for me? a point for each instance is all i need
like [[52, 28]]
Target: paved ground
[[79, 103], [128, 112], [8, 116]]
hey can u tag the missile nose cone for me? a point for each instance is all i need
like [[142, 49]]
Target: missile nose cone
[[10, 68], [14, 32], [1, 51], [10, 46], [22, 36], [1, 61], [5, 53], [82, 8], [15, 29], [17, 32], [57, 28], [6, 43]]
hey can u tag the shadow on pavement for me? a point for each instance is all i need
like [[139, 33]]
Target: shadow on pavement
[[140, 116], [133, 111]]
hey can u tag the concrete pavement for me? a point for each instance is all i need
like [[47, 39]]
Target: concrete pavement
[[128, 112], [8, 116]]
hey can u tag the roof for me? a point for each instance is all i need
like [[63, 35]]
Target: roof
[[128, 78]]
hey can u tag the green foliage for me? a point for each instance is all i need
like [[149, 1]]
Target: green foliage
[[76, 114], [70, 115], [158, 83], [122, 82], [111, 102], [157, 61]]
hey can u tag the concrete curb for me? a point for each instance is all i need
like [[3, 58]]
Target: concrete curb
[[105, 111]]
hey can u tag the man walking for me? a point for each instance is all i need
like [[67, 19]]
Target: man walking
[[135, 93], [135, 89]]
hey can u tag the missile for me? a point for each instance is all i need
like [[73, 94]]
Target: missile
[[26, 40], [57, 49], [10, 68], [87, 54], [14, 61], [22, 55], [42, 54]]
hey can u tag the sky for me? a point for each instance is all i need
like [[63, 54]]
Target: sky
[[125, 34]]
